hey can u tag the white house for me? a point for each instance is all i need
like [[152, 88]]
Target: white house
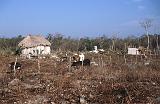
[[35, 45], [133, 51]]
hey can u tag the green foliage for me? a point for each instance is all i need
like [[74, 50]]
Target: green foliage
[[9, 45], [55, 40], [61, 43]]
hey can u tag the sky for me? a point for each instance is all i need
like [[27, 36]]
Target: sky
[[78, 18]]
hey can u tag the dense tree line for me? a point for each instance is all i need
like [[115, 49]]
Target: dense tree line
[[62, 43], [59, 42], [9, 45]]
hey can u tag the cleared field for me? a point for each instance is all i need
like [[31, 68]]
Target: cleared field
[[112, 81]]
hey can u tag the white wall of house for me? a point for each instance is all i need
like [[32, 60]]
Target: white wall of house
[[43, 50], [47, 50], [24, 51], [133, 51]]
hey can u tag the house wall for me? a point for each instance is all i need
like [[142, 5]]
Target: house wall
[[47, 50], [36, 50], [133, 51]]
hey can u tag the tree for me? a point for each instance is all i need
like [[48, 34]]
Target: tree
[[56, 40], [85, 44], [146, 24], [114, 39], [157, 41]]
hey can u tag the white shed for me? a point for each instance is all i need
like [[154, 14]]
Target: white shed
[[35, 45], [133, 51]]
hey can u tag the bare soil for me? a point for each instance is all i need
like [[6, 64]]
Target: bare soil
[[112, 82]]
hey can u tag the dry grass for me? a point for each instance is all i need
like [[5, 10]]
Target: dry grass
[[94, 85]]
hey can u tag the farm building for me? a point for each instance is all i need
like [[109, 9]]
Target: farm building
[[35, 45], [133, 51]]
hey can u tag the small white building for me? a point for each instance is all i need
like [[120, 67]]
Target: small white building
[[35, 45], [133, 51]]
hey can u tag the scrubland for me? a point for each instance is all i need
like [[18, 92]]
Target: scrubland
[[111, 81]]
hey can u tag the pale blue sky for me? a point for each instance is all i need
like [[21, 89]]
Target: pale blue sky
[[77, 18]]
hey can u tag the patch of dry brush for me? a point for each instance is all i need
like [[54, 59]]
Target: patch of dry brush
[[55, 84]]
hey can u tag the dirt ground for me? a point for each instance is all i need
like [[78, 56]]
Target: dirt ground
[[54, 82]]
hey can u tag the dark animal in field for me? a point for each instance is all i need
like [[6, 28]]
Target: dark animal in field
[[86, 62], [120, 95], [17, 66]]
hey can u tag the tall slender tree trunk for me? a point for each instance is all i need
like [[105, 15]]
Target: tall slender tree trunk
[[148, 46], [157, 45]]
